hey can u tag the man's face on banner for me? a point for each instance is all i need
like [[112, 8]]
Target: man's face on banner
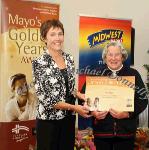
[[20, 88]]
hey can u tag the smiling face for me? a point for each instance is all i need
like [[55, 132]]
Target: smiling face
[[55, 39], [114, 57], [20, 87]]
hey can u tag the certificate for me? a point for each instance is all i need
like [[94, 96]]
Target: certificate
[[103, 93]]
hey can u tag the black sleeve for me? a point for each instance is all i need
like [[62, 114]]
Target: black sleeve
[[140, 98]]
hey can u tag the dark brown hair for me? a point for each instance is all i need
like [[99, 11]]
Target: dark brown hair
[[49, 24]]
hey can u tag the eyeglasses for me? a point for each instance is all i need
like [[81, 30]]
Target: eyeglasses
[[114, 55]]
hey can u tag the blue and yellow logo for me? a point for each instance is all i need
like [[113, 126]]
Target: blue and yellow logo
[[104, 35]]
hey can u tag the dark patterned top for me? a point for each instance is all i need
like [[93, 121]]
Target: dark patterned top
[[50, 85]]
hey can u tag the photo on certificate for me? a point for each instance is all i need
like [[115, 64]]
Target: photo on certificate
[[103, 93]]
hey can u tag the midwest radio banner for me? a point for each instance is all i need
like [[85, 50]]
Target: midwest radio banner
[[20, 44], [94, 34]]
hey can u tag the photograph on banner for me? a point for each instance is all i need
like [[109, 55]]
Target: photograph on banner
[[21, 43], [104, 93], [94, 34]]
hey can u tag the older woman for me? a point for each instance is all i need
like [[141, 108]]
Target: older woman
[[115, 130], [54, 76]]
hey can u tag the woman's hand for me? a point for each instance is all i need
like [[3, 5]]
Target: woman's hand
[[119, 114], [99, 114], [82, 110]]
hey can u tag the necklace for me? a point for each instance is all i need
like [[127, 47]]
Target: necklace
[[114, 72]]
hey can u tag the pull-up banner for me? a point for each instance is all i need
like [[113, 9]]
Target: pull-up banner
[[94, 34], [20, 44]]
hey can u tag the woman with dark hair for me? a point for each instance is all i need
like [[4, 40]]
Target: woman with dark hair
[[54, 76]]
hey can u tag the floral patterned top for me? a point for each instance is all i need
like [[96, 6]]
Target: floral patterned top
[[50, 85]]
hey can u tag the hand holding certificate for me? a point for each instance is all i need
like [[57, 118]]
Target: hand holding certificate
[[105, 93]]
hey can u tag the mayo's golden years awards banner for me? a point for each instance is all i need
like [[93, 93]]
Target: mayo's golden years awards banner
[[21, 41], [104, 93], [94, 34]]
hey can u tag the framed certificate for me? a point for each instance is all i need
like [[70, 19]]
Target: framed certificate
[[103, 93]]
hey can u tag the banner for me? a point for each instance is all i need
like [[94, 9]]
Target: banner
[[94, 34], [20, 44]]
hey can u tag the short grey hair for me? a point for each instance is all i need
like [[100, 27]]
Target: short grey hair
[[118, 44]]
